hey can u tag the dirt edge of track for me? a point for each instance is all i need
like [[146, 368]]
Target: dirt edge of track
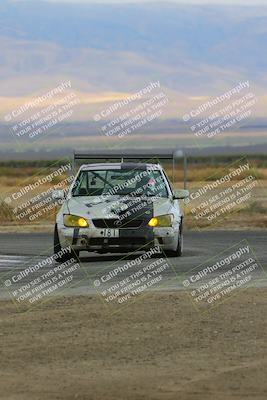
[[158, 348]]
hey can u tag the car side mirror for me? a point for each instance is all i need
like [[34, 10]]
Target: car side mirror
[[180, 194], [58, 194]]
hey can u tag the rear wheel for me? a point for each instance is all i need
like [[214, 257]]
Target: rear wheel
[[57, 248]]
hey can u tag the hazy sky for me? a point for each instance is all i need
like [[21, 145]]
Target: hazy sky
[[244, 2]]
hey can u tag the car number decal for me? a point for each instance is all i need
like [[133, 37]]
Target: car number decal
[[110, 233]]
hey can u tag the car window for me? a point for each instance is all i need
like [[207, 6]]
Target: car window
[[120, 182]]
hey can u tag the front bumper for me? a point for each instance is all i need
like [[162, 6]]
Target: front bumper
[[92, 239]]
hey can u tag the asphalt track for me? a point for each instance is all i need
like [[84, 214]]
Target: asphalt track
[[18, 250]]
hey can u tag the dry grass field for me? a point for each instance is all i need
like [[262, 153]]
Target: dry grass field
[[251, 215]]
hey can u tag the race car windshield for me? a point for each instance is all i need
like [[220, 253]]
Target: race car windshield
[[143, 183]]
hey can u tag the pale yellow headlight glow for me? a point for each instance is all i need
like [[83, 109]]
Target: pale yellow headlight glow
[[163, 221], [82, 222], [74, 221], [153, 222]]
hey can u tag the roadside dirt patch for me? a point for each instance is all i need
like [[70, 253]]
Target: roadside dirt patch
[[158, 348]]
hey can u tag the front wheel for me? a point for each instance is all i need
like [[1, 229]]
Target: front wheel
[[179, 249], [57, 248]]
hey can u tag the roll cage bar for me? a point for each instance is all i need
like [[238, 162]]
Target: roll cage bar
[[123, 155]]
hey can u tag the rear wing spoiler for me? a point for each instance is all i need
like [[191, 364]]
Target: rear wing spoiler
[[123, 155]]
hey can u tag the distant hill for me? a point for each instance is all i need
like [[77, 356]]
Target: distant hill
[[107, 50], [190, 49]]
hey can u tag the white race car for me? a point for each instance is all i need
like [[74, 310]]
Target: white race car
[[119, 207]]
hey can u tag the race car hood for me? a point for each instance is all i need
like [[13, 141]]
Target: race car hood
[[93, 207]]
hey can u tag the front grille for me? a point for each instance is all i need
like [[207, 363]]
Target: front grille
[[113, 223], [121, 241]]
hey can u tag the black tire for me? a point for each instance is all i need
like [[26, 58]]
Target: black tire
[[179, 250], [58, 248]]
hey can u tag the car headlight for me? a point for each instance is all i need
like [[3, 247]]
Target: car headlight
[[161, 221], [74, 221]]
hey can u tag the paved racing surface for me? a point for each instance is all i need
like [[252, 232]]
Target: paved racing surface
[[17, 251]]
